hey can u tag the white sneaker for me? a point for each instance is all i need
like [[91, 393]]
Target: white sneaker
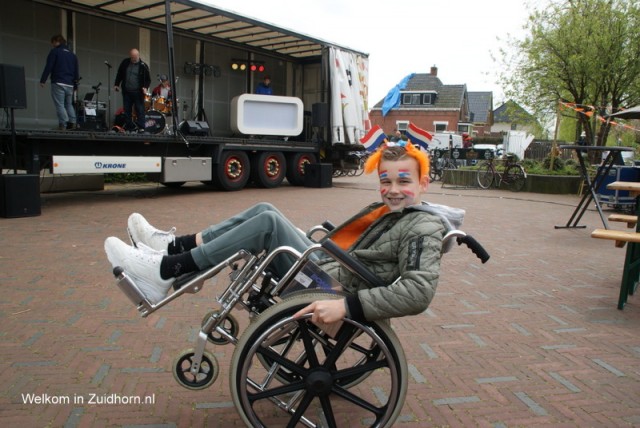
[[143, 266], [140, 231]]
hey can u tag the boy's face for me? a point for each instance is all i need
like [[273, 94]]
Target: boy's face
[[400, 184]]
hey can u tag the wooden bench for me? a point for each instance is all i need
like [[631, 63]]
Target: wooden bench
[[620, 236], [631, 269], [631, 220]]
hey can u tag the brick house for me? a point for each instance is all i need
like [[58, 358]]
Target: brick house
[[432, 106]]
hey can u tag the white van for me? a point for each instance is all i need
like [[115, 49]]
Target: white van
[[441, 141]]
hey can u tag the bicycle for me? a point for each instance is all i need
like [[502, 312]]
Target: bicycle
[[513, 176], [440, 164]]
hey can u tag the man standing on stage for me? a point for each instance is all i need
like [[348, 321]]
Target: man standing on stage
[[134, 78], [62, 64]]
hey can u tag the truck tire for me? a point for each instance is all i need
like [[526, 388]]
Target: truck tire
[[232, 171], [296, 163], [268, 169]]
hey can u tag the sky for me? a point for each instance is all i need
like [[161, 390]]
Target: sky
[[404, 36]]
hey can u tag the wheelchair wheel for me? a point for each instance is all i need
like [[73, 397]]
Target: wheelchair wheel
[[306, 383], [368, 353], [204, 378], [230, 325]]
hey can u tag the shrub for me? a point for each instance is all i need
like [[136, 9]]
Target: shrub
[[558, 163]]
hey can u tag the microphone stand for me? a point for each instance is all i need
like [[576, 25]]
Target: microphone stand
[[97, 89], [108, 94]]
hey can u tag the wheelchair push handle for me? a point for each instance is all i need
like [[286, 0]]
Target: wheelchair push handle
[[474, 246]]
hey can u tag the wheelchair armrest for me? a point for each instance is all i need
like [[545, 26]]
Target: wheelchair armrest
[[352, 264], [325, 228]]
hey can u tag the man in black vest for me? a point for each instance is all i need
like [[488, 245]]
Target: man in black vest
[[134, 78]]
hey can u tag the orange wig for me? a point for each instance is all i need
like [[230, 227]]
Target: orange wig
[[409, 150]]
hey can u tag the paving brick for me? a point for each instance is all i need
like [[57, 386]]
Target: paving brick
[[532, 338]]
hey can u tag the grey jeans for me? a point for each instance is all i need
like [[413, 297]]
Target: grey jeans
[[63, 101], [261, 227]]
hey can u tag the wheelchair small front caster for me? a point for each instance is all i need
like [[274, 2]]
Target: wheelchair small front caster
[[230, 325], [204, 378]]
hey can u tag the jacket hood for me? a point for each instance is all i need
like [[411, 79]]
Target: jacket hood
[[450, 216]]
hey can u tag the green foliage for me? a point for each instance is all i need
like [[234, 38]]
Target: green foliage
[[125, 178], [553, 163], [579, 51]]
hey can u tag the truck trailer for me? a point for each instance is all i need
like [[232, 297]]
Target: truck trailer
[[214, 128]]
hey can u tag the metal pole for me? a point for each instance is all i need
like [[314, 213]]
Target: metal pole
[[172, 72]]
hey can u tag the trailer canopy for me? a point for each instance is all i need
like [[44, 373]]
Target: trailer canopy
[[203, 21]]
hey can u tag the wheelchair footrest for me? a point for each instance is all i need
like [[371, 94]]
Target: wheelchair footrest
[[131, 290]]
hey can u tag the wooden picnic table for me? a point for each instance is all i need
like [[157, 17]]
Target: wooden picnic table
[[631, 268]]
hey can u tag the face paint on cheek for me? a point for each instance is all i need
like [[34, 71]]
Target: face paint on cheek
[[384, 191], [409, 193]]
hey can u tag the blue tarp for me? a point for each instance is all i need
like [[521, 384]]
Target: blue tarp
[[392, 100]]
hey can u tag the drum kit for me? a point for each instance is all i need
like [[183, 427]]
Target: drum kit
[[155, 120]]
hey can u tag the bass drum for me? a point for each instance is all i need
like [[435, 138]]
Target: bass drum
[[154, 122]]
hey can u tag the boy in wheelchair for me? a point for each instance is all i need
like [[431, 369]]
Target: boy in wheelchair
[[398, 239]]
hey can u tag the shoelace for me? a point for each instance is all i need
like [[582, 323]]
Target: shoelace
[[144, 248], [171, 232]]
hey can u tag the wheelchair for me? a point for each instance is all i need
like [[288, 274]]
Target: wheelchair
[[292, 372]]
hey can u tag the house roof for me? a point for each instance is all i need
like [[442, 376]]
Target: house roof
[[449, 96], [480, 104], [510, 112]]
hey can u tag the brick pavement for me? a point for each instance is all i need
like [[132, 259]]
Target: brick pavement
[[533, 338]]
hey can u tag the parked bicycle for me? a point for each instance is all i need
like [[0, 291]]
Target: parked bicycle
[[439, 164], [513, 174]]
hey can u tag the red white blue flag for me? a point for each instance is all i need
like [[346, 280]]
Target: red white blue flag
[[373, 139], [418, 136]]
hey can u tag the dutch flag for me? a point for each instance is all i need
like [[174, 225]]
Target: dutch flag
[[418, 136], [373, 139]]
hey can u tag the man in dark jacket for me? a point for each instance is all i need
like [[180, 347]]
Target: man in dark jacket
[[62, 65], [134, 78]]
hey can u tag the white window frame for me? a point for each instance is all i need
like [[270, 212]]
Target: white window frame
[[402, 125], [427, 99], [438, 124]]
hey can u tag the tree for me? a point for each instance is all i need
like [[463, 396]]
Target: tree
[[585, 52]]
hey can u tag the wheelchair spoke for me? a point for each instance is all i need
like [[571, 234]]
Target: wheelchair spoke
[[328, 411], [343, 393], [308, 344], [281, 390], [360, 369], [284, 362], [345, 338], [302, 407]]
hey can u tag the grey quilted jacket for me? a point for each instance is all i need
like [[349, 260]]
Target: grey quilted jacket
[[403, 249]]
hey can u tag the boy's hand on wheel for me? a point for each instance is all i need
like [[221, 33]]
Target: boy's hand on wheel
[[324, 311]]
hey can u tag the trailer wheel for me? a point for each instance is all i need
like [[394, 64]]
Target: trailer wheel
[[268, 169], [232, 171], [295, 167]]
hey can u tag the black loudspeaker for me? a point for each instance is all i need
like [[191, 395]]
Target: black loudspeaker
[[19, 195], [13, 90], [320, 115], [93, 123], [195, 127], [318, 175]]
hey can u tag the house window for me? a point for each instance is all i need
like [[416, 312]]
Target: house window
[[411, 99], [427, 98], [440, 126], [402, 125], [464, 127]]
